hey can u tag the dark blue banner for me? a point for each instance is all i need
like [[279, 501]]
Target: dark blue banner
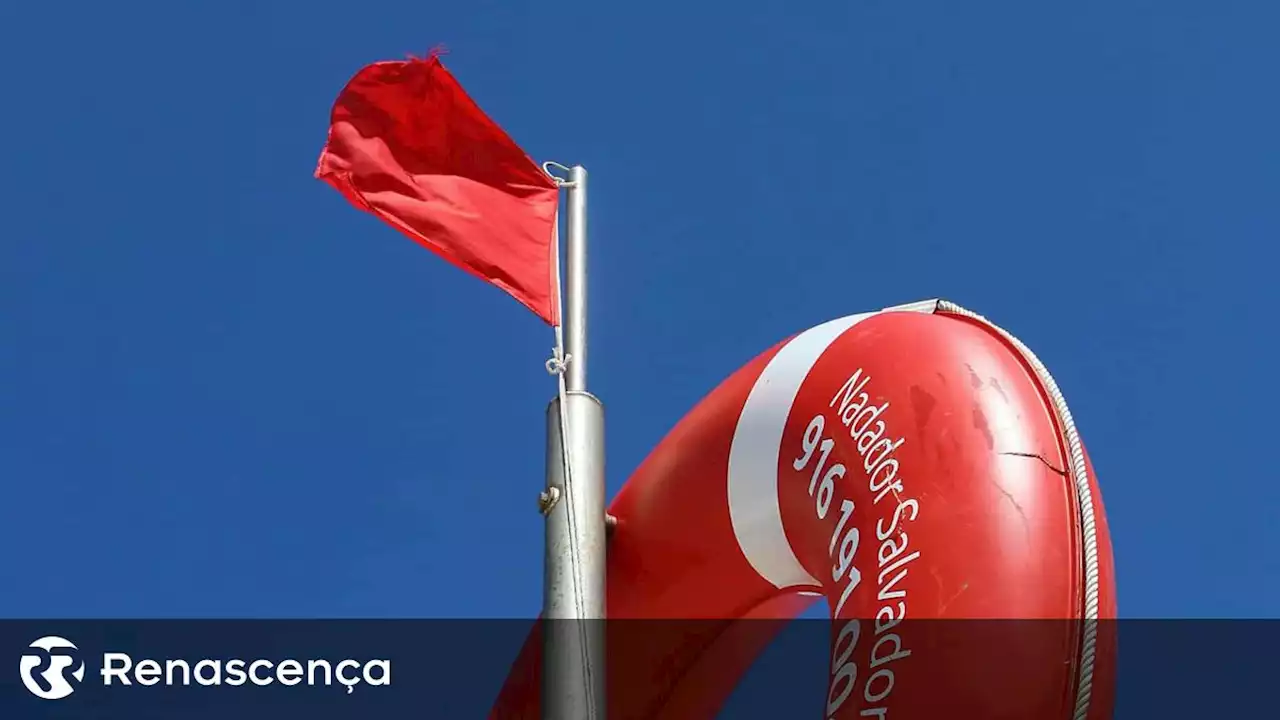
[[386, 670]]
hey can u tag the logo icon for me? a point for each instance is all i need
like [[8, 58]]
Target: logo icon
[[55, 685]]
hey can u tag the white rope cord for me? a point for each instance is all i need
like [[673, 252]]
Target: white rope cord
[[1084, 498]]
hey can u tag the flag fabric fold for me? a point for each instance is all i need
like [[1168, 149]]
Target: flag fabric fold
[[407, 144]]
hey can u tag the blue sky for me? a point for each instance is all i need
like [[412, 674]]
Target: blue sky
[[225, 392]]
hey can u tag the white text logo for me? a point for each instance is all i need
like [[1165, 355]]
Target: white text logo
[[54, 675], [120, 667]]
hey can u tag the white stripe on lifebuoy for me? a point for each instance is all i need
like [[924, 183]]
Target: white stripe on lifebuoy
[[753, 456]]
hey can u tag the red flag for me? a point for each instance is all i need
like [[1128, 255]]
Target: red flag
[[407, 144]]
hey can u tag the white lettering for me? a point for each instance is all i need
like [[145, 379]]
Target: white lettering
[[876, 446], [171, 665], [885, 619], [848, 674], [882, 533], [898, 653], [887, 676], [117, 667], [289, 672], [255, 677], [384, 676], [349, 682], [885, 449], [215, 678], [808, 443], [898, 564], [235, 673], [311, 672], [890, 550], [890, 467], [147, 672], [867, 439], [868, 414], [851, 387], [111, 670]]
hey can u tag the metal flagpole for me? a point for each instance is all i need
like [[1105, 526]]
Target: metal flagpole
[[573, 683]]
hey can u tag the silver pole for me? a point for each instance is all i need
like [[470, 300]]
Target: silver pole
[[575, 296], [573, 682]]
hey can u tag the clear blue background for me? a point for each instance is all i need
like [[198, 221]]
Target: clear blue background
[[226, 392]]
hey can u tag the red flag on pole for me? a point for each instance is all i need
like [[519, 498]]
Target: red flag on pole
[[407, 144]]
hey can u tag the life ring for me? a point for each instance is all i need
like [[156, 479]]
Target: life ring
[[916, 466]]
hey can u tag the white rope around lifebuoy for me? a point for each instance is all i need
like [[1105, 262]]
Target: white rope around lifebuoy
[[1084, 500]]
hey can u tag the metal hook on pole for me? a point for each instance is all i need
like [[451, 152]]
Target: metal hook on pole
[[564, 182]]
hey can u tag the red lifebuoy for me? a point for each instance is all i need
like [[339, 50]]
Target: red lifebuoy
[[918, 469]]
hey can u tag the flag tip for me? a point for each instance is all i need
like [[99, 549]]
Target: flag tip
[[435, 53]]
